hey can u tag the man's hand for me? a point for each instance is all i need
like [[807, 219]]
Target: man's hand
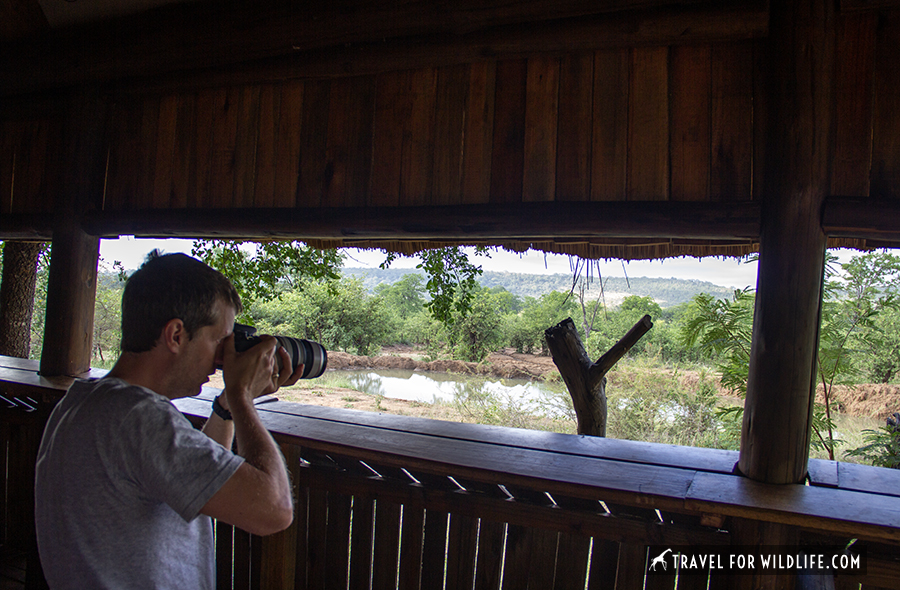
[[251, 373]]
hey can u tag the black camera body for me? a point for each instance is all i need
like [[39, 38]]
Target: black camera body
[[311, 355]]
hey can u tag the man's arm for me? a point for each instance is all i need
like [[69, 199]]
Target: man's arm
[[257, 498]]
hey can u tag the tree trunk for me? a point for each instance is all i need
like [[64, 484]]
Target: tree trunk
[[585, 380], [20, 261]]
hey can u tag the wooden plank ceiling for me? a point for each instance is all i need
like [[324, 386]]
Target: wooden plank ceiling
[[628, 128]]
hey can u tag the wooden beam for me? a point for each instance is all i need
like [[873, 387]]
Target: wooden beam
[[575, 220], [256, 43], [779, 404]]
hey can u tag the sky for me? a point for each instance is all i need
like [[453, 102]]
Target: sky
[[725, 272]]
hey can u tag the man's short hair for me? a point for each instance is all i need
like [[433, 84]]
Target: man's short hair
[[167, 287]]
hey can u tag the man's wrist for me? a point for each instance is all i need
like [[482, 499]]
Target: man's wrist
[[219, 410]]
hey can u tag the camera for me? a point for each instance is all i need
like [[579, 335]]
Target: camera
[[311, 355]]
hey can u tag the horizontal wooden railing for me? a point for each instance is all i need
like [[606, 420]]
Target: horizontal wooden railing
[[400, 502]]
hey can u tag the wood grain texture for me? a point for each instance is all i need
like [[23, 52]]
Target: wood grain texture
[[647, 169], [287, 146], [732, 122], [507, 162], [224, 145], [573, 149], [690, 79], [417, 159], [886, 138], [610, 125], [449, 134], [778, 409], [541, 125], [267, 145], [856, 37], [478, 136], [391, 119], [349, 146]]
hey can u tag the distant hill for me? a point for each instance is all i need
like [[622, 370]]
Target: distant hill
[[666, 292]]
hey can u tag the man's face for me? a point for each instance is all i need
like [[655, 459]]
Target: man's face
[[203, 352]]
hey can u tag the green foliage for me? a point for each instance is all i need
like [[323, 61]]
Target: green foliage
[[476, 332], [258, 270], [525, 331], [337, 314], [451, 280], [108, 316], [882, 447], [722, 328], [405, 296]]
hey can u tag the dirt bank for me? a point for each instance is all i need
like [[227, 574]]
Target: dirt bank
[[506, 364]]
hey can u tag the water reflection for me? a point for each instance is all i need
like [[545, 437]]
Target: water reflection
[[447, 387]]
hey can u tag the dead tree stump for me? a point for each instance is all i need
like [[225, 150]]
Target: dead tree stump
[[586, 380]]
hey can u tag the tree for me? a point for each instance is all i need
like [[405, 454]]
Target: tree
[[258, 269], [451, 280], [405, 296], [17, 294]]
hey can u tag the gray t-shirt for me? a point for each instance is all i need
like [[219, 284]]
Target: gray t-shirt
[[121, 478]]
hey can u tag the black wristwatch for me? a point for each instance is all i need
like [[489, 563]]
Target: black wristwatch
[[219, 410]]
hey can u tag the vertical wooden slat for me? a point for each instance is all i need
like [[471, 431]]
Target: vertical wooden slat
[[224, 137], [241, 560], [530, 558], [266, 145], [143, 197], [287, 144], [411, 546], [479, 132], [571, 562], [126, 147], [301, 528], [31, 167], [245, 145], [255, 563], [387, 545], [631, 567], [434, 549], [886, 144], [417, 171], [278, 552], [647, 168], [491, 536], [9, 139], [463, 538], [316, 539], [856, 35], [604, 562], [198, 189], [507, 157], [517, 557], [224, 555], [392, 105], [664, 580], [314, 167], [573, 145], [349, 143], [732, 122], [4, 480], [541, 123], [337, 542], [610, 125], [450, 119], [361, 542], [760, 119], [165, 150], [186, 131], [690, 139]]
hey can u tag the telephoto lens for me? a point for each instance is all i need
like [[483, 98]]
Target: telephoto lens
[[311, 355]]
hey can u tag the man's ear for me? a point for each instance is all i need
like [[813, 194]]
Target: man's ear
[[174, 335]]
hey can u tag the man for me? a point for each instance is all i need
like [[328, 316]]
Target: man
[[125, 487]]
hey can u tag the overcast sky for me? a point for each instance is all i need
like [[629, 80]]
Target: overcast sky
[[725, 272]]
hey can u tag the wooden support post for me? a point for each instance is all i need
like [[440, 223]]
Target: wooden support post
[[778, 410], [71, 290], [586, 380], [78, 187]]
